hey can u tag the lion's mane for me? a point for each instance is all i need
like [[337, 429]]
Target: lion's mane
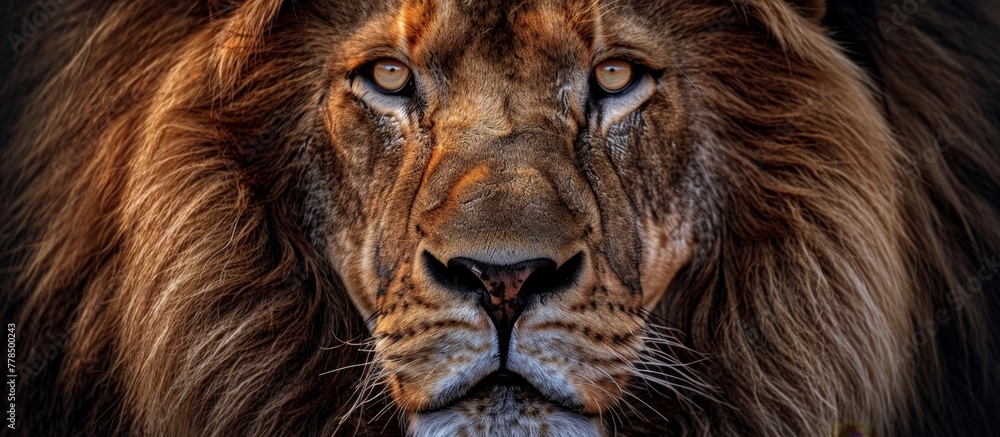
[[161, 282]]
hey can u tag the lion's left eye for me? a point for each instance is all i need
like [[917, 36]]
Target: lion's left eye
[[613, 75], [391, 76]]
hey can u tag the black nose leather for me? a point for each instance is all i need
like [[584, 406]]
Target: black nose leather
[[504, 290], [504, 283]]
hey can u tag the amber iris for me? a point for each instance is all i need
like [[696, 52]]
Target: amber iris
[[613, 75], [390, 75]]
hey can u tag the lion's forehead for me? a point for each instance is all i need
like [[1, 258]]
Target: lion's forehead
[[501, 28], [485, 47]]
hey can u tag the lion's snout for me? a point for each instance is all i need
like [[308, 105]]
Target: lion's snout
[[507, 244], [503, 202]]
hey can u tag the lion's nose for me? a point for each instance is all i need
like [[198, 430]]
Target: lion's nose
[[505, 290], [503, 284]]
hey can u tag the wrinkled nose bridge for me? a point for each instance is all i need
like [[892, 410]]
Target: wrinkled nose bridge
[[500, 174], [503, 187], [501, 200], [479, 175]]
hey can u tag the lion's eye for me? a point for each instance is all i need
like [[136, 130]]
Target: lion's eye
[[390, 75], [613, 75]]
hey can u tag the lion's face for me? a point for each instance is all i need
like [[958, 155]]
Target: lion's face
[[516, 175], [553, 217]]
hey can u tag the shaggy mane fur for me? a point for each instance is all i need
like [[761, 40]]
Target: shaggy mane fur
[[156, 266]]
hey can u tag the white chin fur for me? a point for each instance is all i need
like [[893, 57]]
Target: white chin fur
[[506, 414]]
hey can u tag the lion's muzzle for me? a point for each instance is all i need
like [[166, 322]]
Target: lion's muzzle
[[505, 307]]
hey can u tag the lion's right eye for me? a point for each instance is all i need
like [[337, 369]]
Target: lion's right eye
[[391, 76]]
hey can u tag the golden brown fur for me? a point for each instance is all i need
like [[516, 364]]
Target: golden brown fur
[[209, 226]]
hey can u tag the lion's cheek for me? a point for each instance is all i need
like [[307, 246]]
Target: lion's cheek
[[354, 263], [582, 360], [666, 247], [429, 360]]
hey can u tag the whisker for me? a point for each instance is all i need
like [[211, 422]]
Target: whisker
[[340, 369]]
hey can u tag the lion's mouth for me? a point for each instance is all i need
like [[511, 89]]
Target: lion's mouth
[[504, 403], [503, 391], [502, 378]]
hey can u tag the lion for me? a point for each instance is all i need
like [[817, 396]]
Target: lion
[[442, 217]]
